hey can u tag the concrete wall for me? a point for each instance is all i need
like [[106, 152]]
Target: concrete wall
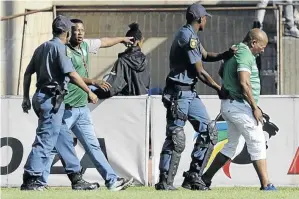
[[290, 74], [38, 30]]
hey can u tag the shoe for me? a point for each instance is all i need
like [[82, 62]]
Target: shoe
[[269, 187], [186, 184], [84, 185], [163, 185], [293, 32], [78, 183], [200, 185], [257, 24], [121, 184], [31, 184], [193, 181]]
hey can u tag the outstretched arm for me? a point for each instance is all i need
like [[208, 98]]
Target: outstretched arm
[[213, 57], [111, 41]]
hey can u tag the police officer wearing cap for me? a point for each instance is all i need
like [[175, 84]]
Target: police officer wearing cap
[[182, 102], [53, 69]]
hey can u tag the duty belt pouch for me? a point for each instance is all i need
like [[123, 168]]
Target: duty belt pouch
[[168, 97]]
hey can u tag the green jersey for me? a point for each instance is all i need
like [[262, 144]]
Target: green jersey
[[244, 60], [77, 97]]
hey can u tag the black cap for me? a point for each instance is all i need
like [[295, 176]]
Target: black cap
[[62, 23], [197, 11]]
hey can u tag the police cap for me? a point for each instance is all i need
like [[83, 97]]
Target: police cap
[[62, 23], [197, 11]]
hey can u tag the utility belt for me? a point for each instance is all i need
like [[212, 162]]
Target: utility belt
[[178, 86], [56, 91], [69, 107]]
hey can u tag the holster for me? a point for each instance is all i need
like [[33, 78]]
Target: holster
[[59, 97], [57, 92], [170, 96]]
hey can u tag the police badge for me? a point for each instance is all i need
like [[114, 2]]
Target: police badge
[[193, 43]]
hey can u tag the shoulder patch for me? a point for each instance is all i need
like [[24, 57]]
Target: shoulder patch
[[193, 43], [68, 52]]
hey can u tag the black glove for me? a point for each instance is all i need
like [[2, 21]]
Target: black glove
[[269, 127], [229, 53], [223, 94]]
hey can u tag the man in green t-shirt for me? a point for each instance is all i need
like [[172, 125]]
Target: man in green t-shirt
[[77, 115], [244, 118]]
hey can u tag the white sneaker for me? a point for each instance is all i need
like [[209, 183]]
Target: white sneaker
[[293, 32], [121, 184]]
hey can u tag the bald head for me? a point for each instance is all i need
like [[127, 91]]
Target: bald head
[[256, 34], [257, 40]]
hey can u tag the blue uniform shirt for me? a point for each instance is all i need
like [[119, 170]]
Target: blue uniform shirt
[[184, 53], [51, 63]]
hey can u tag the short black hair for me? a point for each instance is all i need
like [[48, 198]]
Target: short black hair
[[76, 21], [134, 31], [57, 32], [190, 18]]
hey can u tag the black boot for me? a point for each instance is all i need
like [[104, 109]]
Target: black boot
[[30, 183], [257, 24], [193, 181], [163, 185], [187, 183], [191, 175], [79, 184]]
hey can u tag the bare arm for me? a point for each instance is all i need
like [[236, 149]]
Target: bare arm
[[26, 104], [111, 41], [205, 77], [210, 56], [27, 78], [88, 81], [213, 57], [26, 84], [75, 78], [244, 78]]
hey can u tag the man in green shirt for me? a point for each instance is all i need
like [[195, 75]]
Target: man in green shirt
[[244, 118], [77, 114]]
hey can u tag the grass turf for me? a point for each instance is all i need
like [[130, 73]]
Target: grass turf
[[151, 193]]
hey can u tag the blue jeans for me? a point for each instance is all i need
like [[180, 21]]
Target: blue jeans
[[188, 104], [79, 121], [47, 132]]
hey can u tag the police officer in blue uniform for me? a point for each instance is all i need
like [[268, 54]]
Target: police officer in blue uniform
[[53, 69], [182, 103]]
